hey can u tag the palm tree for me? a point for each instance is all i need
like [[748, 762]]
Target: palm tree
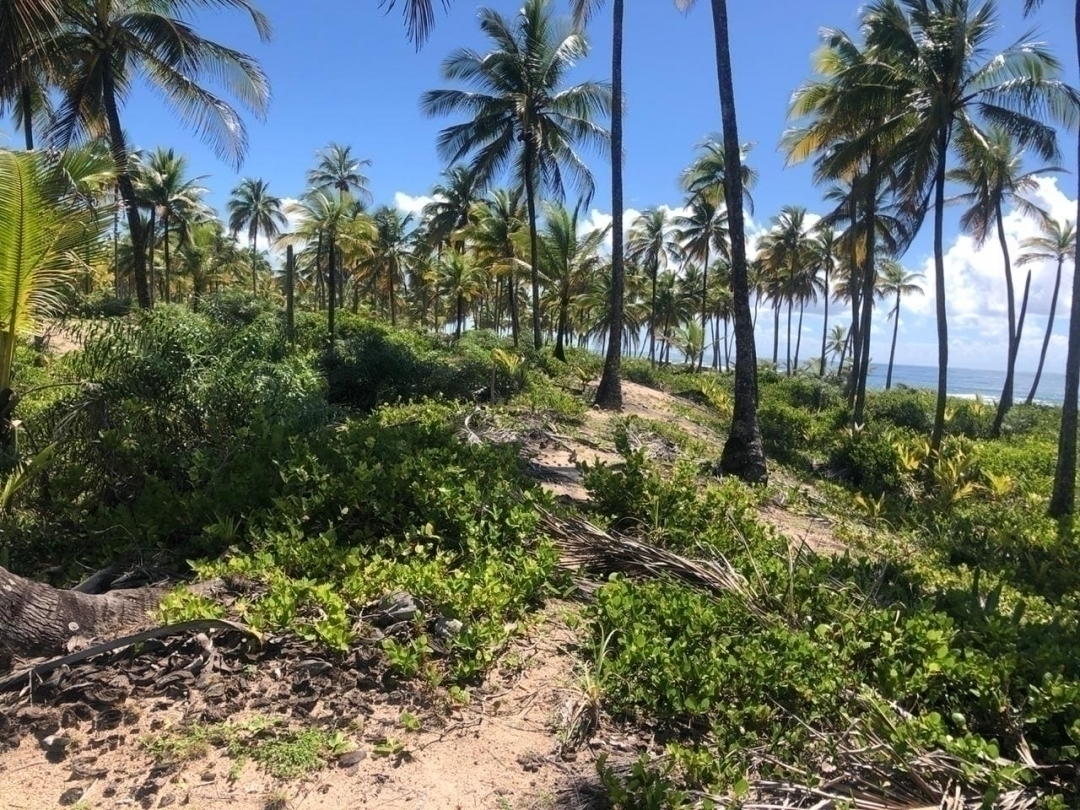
[[253, 208], [337, 168], [567, 259], [1058, 244], [787, 252], [653, 244], [837, 345], [896, 281], [990, 169], [452, 204], [520, 113], [47, 229], [107, 45], [935, 71], [497, 221], [460, 279], [823, 249], [700, 232], [744, 454], [172, 198], [391, 251], [704, 177], [1063, 499]]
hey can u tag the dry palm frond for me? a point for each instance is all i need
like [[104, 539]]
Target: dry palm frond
[[586, 548]]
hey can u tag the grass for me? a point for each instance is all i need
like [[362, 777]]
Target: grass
[[284, 753]]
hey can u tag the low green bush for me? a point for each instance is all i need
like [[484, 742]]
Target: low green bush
[[900, 407]]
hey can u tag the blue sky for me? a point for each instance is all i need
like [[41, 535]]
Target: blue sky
[[343, 71]]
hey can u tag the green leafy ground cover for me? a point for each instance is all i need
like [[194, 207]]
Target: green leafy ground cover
[[948, 634]]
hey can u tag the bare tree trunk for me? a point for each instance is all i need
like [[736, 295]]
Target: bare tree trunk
[[38, 620], [1046, 337], [744, 453]]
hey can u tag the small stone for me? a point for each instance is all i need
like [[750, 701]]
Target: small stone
[[350, 758], [70, 796], [208, 776]]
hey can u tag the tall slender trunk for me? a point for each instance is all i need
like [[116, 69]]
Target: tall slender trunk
[[652, 318], [704, 303], [776, 336], [534, 250], [743, 454], [561, 329], [168, 280], [787, 348], [151, 234], [123, 180], [511, 291], [609, 392], [27, 119], [798, 333], [1063, 498], [390, 273], [867, 294], [825, 326], [939, 291], [253, 236], [460, 316], [290, 284], [1005, 401], [854, 332], [895, 332], [843, 354], [116, 240], [331, 286], [1046, 337]]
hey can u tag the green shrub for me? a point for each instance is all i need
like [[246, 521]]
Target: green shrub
[[900, 407], [868, 461]]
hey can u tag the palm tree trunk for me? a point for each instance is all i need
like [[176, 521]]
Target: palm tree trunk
[[290, 293], [253, 236], [460, 318], [1005, 401], [854, 333], [776, 335], [534, 251], [127, 188], [1063, 498], [511, 291], [331, 286], [787, 348], [939, 305], [892, 350], [744, 454], [843, 354], [867, 294], [165, 223], [704, 303], [825, 326], [28, 119], [116, 240], [609, 392], [561, 330], [151, 234], [1046, 337], [798, 332], [391, 272], [652, 319]]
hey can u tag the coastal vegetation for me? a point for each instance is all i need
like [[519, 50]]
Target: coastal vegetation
[[317, 420]]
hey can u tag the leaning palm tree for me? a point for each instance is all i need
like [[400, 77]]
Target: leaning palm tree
[[1057, 244], [254, 209], [109, 45], [338, 168], [898, 282], [935, 71], [520, 114], [990, 170]]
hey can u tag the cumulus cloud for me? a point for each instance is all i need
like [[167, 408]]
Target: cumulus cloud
[[408, 204]]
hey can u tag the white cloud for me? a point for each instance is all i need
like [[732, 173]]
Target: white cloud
[[408, 204]]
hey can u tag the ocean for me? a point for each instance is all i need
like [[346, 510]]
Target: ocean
[[969, 382]]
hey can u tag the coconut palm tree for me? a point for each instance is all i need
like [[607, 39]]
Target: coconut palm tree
[[391, 252], [462, 282], [453, 200], [898, 282], [787, 251], [521, 114], [703, 235], [254, 209], [567, 259], [494, 234], [339, 169], [653, 244], [47, 229], [704, 177], [837, 345], [108, 45], [1057, 244], [990, 170], [173, 199], [936, 71]]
